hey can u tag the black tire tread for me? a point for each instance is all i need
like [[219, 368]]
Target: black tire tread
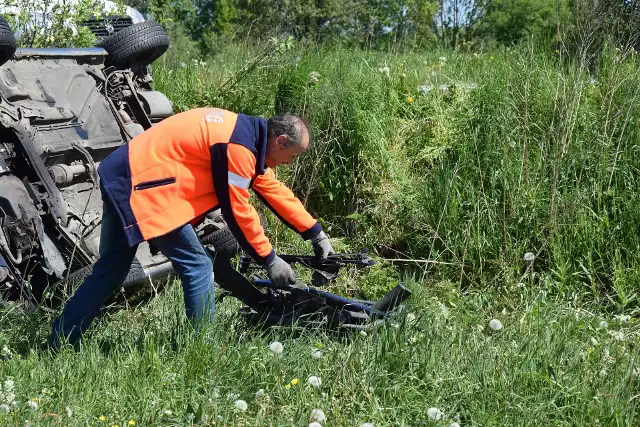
[[142, 43], [223, 241]]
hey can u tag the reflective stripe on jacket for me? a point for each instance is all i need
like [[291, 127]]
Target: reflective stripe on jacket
[[191, 163]]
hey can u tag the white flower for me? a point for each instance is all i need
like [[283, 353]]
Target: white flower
[[314, 381], [241, 405], [318, 415], [215, 392], [232, 396], [260, 392], [434, 414], [316, 354], [594, 341], [367, 425], [617, 335], [4, 408], [69, 412], [6, 352], [529, 256], [384, 70], [32, 404], [444, 309], [622, 318], [315, 424], [276, 347], [168, 412], [604, 324], [495, 324], [454, 424], [8, 385], [314, 77]]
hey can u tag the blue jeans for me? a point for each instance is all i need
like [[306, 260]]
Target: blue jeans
[[181, 246]]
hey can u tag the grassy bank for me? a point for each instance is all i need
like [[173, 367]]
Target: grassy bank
[[472, 160]]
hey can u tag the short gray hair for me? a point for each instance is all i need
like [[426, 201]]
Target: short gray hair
[[290, 125]]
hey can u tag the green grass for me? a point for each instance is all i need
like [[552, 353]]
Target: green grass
[[537, 158], [551, 364]]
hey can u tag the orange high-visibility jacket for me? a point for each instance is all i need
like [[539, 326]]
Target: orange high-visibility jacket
[[191, 163]]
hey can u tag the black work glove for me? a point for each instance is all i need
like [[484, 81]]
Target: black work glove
[[321, 246], [280, 272]]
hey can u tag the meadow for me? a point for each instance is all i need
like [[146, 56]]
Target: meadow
[[501, 187]]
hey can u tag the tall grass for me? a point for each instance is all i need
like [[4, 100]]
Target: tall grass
[[541, 156]]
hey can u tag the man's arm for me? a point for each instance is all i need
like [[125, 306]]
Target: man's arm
[[233, 167], [285, 205]]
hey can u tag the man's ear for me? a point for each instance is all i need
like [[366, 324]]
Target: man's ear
[[281, 140]]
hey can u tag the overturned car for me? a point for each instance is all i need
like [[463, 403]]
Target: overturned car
[[61, 112]]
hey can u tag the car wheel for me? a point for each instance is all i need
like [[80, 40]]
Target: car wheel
[[139, 44], [7, 41], [223, 241]]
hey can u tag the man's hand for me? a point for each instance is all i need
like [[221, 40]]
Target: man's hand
[[280, 272], [321, 246]]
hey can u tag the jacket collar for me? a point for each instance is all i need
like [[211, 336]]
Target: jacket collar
[[261, 144]]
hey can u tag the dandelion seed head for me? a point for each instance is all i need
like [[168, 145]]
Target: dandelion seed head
[[168, 412], [604, 324], [8, 385], [454, 424], [594, 341], [495, 324], [314, 77], [316, 354], [434, 414], [4, 408], [232, 396], [367, 425], [260, 393], [32, 404], [276, 347], [384, 70], [363, 333], [240, 405], [529, 256], [315, 424], [69, 412], [314, 381], [318, 415]]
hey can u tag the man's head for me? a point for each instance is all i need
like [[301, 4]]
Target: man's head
[[287, 138]]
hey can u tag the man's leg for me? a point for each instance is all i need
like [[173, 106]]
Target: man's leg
[[195, 268], [109, 272]]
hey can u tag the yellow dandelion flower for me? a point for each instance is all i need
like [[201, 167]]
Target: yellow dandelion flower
[[115, 425], [294, 382], [102, 418], [557, 51], [409, 99], [131, 422]]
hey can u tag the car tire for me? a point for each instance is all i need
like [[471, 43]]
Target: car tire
[[135, 276], [223, 241], [139, 44], [7, 42]]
